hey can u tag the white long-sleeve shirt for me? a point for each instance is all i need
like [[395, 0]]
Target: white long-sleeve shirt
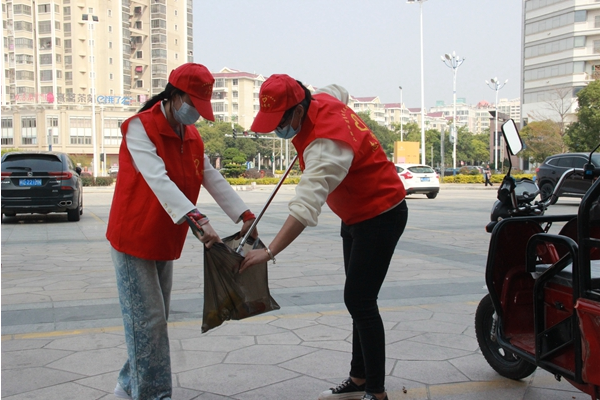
[[326, 164], [152, 168]]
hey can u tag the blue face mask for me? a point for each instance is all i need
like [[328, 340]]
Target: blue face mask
[[186, 114], [287, 132]]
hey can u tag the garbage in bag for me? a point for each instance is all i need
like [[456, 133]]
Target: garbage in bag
[[229, 294]]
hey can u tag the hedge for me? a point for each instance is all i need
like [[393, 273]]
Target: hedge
[[479, 178], [100, 181]]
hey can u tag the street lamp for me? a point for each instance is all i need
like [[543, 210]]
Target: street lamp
[[91, 20], [453, 61], [495, 85], [422, 81], [401, 125]]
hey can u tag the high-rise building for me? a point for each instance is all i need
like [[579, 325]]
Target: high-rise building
[[74, 69], [561, 55]]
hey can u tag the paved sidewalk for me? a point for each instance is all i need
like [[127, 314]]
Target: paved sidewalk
[[431, 349]]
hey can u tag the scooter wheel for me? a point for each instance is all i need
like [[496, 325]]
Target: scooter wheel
[[504, 362]]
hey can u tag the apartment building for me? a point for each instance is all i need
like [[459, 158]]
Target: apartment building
[[74, 70], [372, 105], [235, 96], [561, 55]]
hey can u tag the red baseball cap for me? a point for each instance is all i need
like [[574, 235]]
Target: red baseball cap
[[278, 94], [197, 81]]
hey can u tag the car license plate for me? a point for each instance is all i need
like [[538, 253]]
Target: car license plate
[[425, 179], [30, 182]]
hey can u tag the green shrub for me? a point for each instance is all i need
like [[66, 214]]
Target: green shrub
[[263, 181], [497, 178], [88, 180]]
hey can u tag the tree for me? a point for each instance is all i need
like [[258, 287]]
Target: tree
[[542, 139], [584, 134], [560, 103], [385, 136]]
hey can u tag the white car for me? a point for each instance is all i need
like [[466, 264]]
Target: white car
[[419, 178]]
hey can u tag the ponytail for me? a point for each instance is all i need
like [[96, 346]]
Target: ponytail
[[166, 94]]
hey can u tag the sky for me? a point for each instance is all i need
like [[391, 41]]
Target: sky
[[369, 47]]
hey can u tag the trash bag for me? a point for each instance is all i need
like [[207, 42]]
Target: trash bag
[[229, 294]]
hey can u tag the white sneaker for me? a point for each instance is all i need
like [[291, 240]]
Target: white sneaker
[[121, 393]]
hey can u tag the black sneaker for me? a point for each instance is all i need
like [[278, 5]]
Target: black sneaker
[[347, 390], [369, 396]]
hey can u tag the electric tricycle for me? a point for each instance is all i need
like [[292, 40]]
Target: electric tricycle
[[543, 306]]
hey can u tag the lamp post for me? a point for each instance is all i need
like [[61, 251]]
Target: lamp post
[[495, 85], [453, 61], [91, 20], [401, 122], [422, 80]]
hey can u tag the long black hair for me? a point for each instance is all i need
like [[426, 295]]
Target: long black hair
[[166, 94]]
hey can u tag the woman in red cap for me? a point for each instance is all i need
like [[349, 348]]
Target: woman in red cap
[[342, 164], [161, 168]]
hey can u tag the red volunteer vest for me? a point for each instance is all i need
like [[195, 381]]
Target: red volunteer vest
[[138, 224], [372, 185]]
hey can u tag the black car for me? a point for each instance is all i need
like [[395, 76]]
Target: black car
[[41, 182], [550, 171]]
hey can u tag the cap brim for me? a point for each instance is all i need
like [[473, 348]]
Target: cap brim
[[266, 122], [204, 107]]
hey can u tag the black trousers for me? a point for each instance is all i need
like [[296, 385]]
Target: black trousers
[[368, 249]]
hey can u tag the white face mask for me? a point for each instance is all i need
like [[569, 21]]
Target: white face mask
[[186, 115]]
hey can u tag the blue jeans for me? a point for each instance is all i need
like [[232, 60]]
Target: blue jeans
[[368, 250], [144, 294]]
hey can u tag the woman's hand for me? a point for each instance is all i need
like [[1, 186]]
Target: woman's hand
[[210, 236], [254, 257], [247, 226]]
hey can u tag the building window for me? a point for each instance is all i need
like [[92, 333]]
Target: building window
[[597, 46], [24, 75], [67, 10], [24, 59], [52, 125], [68, 61], [109, 13], [21, 9], [44, 8], [57, 25], [219, 82], [234, 94], [110, 76], [23, 43], [8, 133], [138, 25], [23, 26], [28, 130], [110, 60], [46, 59], [110, 45], [46, 75], [176, 28], [139, 83], [112, 131], [580, 16], [67, 29], [110, 28], [80, 130], [234, 82], [139, 54], [44, 27]]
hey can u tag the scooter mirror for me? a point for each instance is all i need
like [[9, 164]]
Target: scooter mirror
[[511, 135]]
